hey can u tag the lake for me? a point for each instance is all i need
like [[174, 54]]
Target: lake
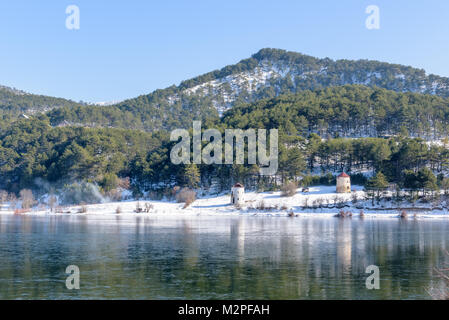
[[206, 257]]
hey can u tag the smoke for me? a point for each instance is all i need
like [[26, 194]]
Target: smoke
[[81, 192], [43, 185], [69, 194]]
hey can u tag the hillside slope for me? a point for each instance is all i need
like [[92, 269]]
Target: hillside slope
[[14, 102]]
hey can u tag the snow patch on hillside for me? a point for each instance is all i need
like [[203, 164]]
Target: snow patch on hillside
[[226, 90]]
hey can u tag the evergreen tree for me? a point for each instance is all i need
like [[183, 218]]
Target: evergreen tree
[[191, 176], [377, 184]]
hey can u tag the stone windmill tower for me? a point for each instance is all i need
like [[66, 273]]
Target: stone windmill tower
[[343, 183]]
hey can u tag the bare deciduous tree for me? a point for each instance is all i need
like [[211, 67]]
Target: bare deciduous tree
[[3, 197], [52, 200], [27, 198], [12, 199]]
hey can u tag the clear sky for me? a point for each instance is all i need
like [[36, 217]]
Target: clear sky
[[127, 48]]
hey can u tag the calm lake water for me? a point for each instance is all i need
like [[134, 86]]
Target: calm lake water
[[219, 257]]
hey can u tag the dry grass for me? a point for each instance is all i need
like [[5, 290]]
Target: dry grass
[[187, 196], [262, 206], [139, 208], [289, 189]]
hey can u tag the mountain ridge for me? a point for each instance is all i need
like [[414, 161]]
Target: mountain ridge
[[271, 72], [265, 75]]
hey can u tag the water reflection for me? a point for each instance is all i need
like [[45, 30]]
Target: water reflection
[[218, 257]]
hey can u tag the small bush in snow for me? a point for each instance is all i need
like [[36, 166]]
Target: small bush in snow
[[148, 207], [261, 205], [187, 196], [118, 210], [344, 214], [139, 208], [354, 198], [289, 189]]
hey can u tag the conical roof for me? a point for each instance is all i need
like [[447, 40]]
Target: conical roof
[[343, 175]]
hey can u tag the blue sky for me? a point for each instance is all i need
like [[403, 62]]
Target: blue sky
[[127, 48]]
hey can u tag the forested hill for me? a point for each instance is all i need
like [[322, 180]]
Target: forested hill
[[267, 74], [14, 103], [347, 111]]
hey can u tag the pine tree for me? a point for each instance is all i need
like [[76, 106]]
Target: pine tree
[[376, 184], [191, 176]]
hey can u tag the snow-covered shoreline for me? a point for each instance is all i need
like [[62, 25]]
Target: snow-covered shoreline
[[323, 198]]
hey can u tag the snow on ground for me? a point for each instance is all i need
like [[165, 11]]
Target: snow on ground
[[323, 196]]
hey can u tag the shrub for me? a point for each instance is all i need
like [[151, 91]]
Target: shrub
[[52, 201], [174, 191], [124, 183], [306, 202], [118, 210], [114, 194], [320, 202], [187, 196], [27, 198], [3, 196], [261, 205], [403, 214], [148, 207], [344, 214], [289, 189], [139, 208]]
